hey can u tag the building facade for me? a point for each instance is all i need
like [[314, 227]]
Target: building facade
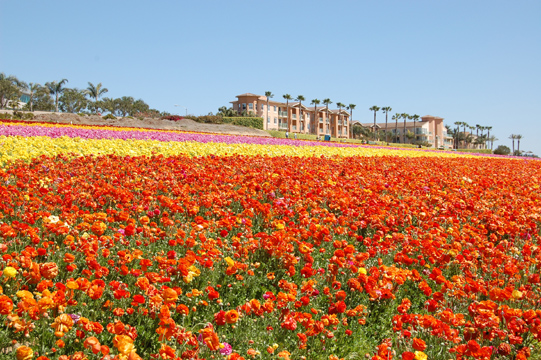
[[428, 128], [295, 117]]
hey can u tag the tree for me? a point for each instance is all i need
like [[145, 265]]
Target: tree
[[518, 137], [492, 139], [32, 90], [315, 102], [513, 137], [404, 116], [125, 105], [415, 118], [340, 106], [42, 100], [502, 150], [73, 100], [225, 112], [488, 129], [327, 102], [10, 87], [287, 97], [300, 99], [375, 109], [269, 95], [95, 92], [386, 110], [351, 107], [55, 89], [396, 117]]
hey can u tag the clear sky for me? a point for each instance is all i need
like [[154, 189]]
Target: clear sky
[[472, 61]]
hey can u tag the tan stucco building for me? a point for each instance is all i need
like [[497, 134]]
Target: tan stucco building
[[301, 118]]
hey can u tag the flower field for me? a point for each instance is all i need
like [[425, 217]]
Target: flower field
[[129, 243]]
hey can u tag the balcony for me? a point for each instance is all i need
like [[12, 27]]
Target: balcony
[[294, 116], [282, 113], [321, 120], [283, 126]]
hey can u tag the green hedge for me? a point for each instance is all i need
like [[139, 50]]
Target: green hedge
[[479, 151], [253, 122]]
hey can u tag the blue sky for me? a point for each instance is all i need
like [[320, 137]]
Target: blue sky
[[472, 61]]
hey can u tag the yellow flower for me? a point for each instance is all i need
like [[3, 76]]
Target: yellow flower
[[10, 272], [419, 355], [362, 271]]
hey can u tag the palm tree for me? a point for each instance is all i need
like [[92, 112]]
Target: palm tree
[[471, 132], [55, 89], [269, 95], [518, 137], [315, 102], [386, 110], [287, 97], [492, 139], [513, 137], [375, 109], [95, 92], [488, 128], [351, 107], [404, 116], [477, 127], [327, 102], [340, 106], [300, 99], [396, 117], [415, 118], [464, 124], [32, 89], [457, 132]]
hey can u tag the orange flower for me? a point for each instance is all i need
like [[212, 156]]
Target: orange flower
[[124, 344], [170, 295], [24, 353], [231, 316], [62, 323], [93, 344], [210, 338], [49, 270], [6, 305], [419, 344]]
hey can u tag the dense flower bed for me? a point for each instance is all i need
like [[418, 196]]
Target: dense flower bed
[[168, 255]]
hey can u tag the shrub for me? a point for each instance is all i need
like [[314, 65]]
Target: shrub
[[81, 114], [502, 150], [253, 122], [109, 116]]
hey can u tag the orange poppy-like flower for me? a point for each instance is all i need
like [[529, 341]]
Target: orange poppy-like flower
[[24, 353], [49, 270], [170, 295], [210, 338], [93, 344], [6, 305], [62, 323], [419, 344], [124, 344], [98, 228], [231, 316]]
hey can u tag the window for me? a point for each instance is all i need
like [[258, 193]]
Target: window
[[251, 106], [243, 106], [262, 107], [274, 108], [268, 120], [275, 120]]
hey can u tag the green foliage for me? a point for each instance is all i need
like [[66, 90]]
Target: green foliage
[[479, 151], [109, 117], [502, 150], [253, 122], [81, 114], [72, 100]]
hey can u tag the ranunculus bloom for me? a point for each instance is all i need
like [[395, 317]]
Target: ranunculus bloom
[[170, 295], [210, 338], [49, 270], [10, 272], [62, 323], [124, 344], [24, 353], [231, 316], [419, 344], [93, 344]]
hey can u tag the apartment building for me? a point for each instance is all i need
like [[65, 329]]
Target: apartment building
[[295, 117], [428, 128]]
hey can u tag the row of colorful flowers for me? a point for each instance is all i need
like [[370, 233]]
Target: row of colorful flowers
[[168, 250]]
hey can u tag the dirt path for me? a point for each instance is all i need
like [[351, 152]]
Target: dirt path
[[149, 123]]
